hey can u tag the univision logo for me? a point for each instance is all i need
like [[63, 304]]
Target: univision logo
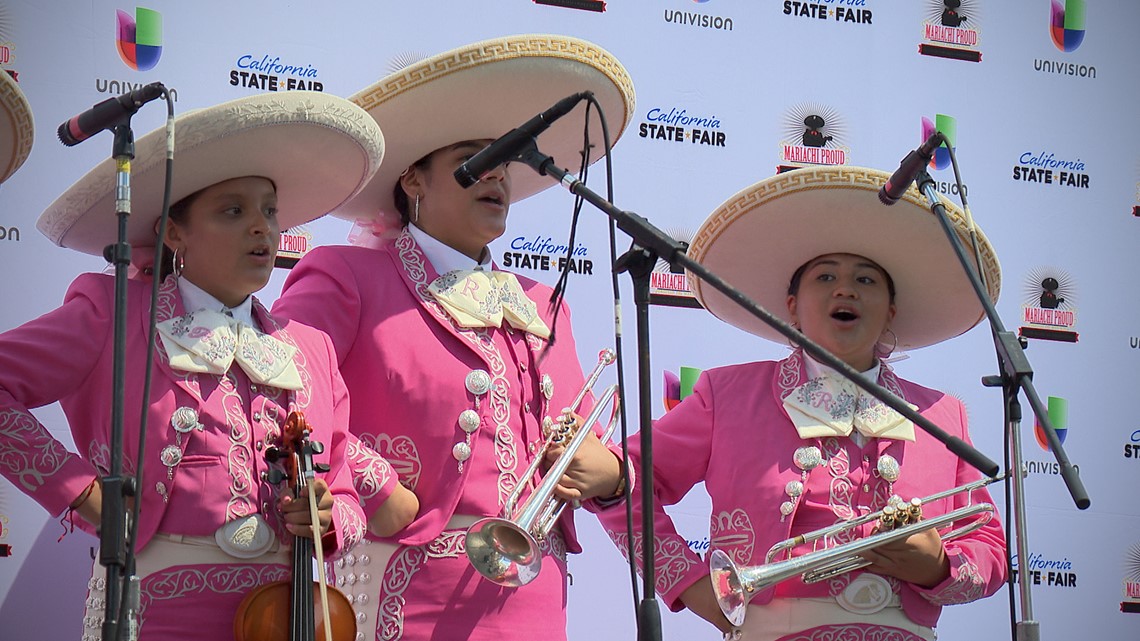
[[139, 39], [1067, 24], [948, 125]]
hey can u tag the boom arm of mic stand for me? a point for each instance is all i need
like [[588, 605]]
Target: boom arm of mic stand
[[1016, 370], [645, 234]]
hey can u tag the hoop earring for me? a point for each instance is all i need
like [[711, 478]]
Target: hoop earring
[[882, 349], [416, 210], [177, 263]]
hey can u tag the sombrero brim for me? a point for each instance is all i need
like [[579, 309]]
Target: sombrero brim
[[482, 91], [758, 238], [17, 130], [318, 149]]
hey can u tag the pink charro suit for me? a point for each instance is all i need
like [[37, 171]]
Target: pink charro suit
[[406, 364], [66, 355], [734, 434]]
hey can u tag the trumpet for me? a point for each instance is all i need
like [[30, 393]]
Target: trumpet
[[735, 586], [505, 549]]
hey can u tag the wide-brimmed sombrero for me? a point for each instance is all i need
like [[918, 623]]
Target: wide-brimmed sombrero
[[482, 91], [318, 149], [16, 127], [759, 237]]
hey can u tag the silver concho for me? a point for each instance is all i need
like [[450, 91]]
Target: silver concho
[[469, 421], [478, 382], [461, 451], [866, 594], [246, 537], [794, 489], [170, 455], [808, 458], [787, 507], [185, 419], [888, 468], [547, 386]]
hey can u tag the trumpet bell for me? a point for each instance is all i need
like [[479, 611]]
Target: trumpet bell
[[731, 594], [502, 552]]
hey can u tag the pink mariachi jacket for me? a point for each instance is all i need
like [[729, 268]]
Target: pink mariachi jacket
[[405, 363], [734, 435], [66, 355]]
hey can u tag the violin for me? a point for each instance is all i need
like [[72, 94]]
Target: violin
[[287, 610]]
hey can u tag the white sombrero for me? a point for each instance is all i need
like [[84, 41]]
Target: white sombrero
[[16, 127], [482, 91], [758, 238], [318, 149]]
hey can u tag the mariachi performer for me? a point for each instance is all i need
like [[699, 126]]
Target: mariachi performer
[[17, 130], [449, 352], [226, 373], [786, 448]]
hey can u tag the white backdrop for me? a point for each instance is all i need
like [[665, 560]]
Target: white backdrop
[[750, 71]]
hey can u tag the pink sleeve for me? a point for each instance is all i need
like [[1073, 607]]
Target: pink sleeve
[[977, 560], [321, 292], [682, 445], [348, 519], [41, 362]]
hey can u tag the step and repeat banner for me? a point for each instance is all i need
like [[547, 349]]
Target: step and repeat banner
[[1034, 96]]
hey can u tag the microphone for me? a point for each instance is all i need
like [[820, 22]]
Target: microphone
[[106, 114], [511, 144], [908, 169]]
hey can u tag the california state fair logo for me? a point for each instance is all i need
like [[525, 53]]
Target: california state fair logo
[[139, 38], [1067, 24]]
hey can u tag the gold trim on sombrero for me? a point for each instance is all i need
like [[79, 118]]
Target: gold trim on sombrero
[[17, 128], [481, 91], [755, 242], [318, 149], [498, 50]]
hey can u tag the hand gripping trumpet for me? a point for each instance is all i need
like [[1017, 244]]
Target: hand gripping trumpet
[[735, 586], [505, 549]]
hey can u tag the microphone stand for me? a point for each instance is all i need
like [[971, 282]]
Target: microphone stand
[[1016, 374], [652, 242], [116, 487]]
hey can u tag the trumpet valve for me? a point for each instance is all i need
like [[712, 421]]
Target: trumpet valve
[[889, 519], [914, 510]]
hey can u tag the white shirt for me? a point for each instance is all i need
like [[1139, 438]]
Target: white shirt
[[195, 298], [444, 258]]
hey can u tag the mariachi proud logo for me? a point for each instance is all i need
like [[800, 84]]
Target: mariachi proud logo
[[139, 38], [1131, 602], [1049, 311], [814, 134], [668, 285], [951, 30]]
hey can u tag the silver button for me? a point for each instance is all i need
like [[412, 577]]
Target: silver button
[[522, 367], [170, 455], [257, 416], [547, 386], [478, 381], [469, 421], [526, 407], [461, 452], [185, 419], [866, 487]]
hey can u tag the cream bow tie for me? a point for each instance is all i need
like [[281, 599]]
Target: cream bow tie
[[477, 298], [827, 406], [208, 342]]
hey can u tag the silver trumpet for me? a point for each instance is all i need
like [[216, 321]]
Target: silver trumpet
[[505, 549], [735, 586]]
